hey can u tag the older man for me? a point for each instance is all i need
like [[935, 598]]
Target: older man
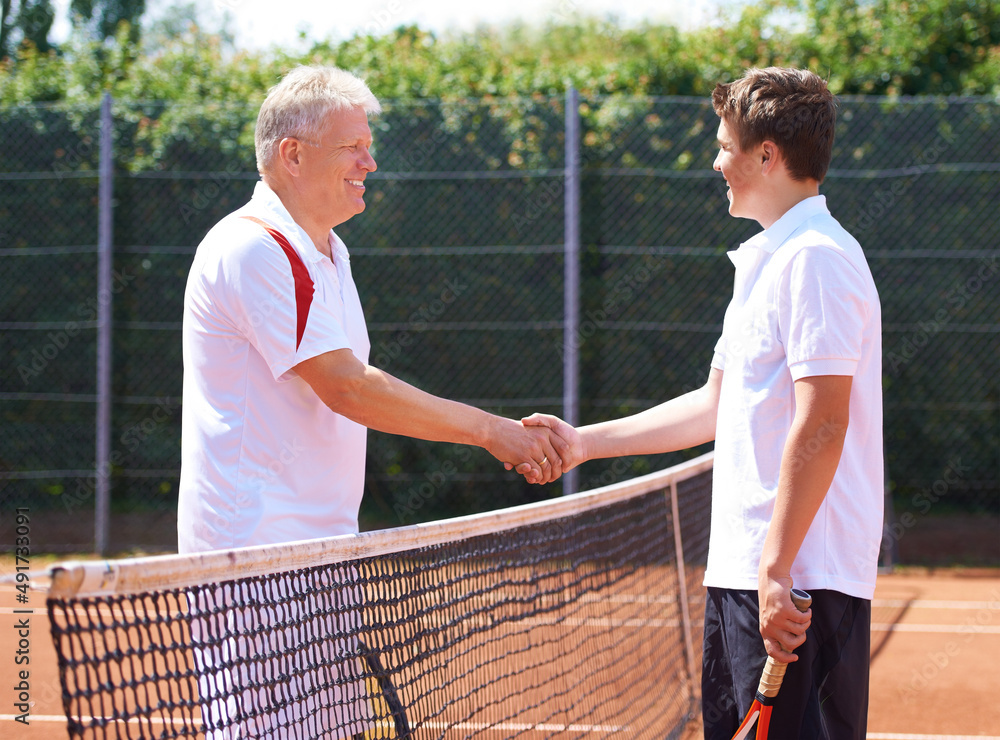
[[278, 393], [277, 390]]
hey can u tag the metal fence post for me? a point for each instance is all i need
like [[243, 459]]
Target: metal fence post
[[571, 291], [105, 234]]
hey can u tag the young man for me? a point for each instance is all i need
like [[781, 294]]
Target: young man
[[794, 403]]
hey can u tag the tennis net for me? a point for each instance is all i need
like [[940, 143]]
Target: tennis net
[[575, 617]]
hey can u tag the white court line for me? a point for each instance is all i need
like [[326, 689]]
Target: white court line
[[937, 604], [950, 629], [522, 726], [515, 726], [62, 718], [478, 726]]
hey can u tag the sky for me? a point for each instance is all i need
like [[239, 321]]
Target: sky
[[258, 25]]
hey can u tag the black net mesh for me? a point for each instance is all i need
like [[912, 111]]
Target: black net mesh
[[579, 625]]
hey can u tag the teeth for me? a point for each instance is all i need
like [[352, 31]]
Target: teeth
[[359, 183]]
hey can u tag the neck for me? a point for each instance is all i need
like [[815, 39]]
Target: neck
[[783, 200], [297, 207]]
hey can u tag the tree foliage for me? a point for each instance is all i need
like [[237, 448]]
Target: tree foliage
[[102, 18], [185, 106], [889, 47], [863, 46], [25, 21], [28, 22]]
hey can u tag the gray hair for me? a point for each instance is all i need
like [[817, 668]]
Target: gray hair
[[297, 105]]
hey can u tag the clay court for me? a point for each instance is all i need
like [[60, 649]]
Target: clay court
[[935, 648]]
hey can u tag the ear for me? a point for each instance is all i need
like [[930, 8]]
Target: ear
[[290, 153], [770, 156]]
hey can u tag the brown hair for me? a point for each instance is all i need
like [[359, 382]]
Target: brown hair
[[791, 107]]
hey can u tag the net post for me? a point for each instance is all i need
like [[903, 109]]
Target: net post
[[682, 592], [571, 290], [102, 471]]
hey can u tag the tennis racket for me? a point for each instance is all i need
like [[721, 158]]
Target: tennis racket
[[770, 682]]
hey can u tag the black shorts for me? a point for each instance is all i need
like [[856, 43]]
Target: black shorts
[[825, 692]]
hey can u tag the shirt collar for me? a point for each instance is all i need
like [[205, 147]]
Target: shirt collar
[[772, 238], [282, 220]]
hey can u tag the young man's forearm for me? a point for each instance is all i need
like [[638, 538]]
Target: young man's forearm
[[682, 422], [810, 459]]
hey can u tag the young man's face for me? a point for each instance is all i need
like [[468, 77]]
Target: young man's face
[[742, 171]]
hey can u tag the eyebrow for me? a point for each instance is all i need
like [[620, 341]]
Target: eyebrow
[[347, 138]]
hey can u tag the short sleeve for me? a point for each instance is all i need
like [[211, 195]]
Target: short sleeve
[[259, 295], [823, 310], [719, 355]]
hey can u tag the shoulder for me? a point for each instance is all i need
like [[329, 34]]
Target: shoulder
[[235, 238], [236, 262], [821, 243], [236, 251], [822, 229]]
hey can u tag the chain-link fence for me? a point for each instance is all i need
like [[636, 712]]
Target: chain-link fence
[[461, 262]]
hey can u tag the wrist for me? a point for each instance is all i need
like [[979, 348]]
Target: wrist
[[493, 432], [774, 570], [588, 443]]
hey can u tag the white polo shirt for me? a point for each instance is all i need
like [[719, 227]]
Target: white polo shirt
[[263, 459], [804, 304]]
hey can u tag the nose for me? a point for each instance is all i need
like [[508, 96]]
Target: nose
[[368, 161], [715, 165]]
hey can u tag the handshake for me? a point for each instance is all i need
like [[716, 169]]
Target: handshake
[[541, 447]]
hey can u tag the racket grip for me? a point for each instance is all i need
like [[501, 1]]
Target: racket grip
[[771, 678], [801, 599], [774, 672]]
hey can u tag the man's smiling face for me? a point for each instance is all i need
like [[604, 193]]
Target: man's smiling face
[[339, 163]]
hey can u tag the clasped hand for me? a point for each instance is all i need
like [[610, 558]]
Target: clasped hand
[[559, 443]]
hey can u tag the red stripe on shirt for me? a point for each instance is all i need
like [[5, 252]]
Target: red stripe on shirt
[[304, 286]]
